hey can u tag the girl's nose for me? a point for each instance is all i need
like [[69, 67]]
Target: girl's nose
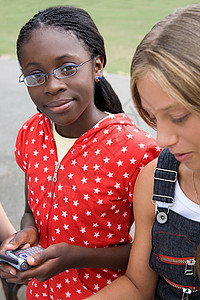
[[53, 85], [166, 136]]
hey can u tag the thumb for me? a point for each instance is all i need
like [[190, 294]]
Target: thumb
[[38, 258]]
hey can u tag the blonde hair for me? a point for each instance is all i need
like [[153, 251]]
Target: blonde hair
[[171, 53]]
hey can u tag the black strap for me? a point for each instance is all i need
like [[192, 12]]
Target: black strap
[[165, 176]]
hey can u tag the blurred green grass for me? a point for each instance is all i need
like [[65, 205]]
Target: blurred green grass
[[123, 23]]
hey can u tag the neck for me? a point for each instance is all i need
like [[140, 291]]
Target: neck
[[195, 183], [81, 125]]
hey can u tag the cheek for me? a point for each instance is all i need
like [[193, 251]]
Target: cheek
[[191, 132], [34, 95]]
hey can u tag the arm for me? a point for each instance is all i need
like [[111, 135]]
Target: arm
[[28, 218], [27, 237], [59, 257], [7, 228], [140, 280]]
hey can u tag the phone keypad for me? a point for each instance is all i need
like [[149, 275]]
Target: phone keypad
[[24, 253]]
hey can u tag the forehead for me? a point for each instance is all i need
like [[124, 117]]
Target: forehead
[[51, 42], [153, 96]]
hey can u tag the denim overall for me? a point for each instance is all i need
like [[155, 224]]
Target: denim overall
[[174, 238]]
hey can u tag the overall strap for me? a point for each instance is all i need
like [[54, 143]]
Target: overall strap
[[165, 176]]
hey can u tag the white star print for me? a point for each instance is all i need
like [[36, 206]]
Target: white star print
[[96, 191], [85, 153], [75, 203], [87, 276], [75, 217], [141, 145], [97, 152], [46, 169], [124, 149], [96, 235], [96, 167], [64, 214], [35, 153], [83, 229], [119, 163], [66, 227], [100, 201], [117, 185], [55, 218], [96, 287], [84, 180], [110, 175], [70, 175], [125, 175], [133, 160], [106, 160], [109, 142], [98, 180], [130, 136], [74, 162], [68, 295], [85, 167], [88, 213], [60, 187], [109, 224], [86, 197]]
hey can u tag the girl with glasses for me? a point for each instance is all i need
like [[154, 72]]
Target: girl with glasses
[[81, 155], [165, 74]]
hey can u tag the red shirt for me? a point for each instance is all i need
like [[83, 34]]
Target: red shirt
[[89, 202]]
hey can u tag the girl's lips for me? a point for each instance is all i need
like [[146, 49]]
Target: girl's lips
[[59, 106], [182, 157]]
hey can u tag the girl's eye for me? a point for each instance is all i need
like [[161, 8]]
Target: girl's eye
[[151, 117], [67, 70], [180, 119], [34, 73]]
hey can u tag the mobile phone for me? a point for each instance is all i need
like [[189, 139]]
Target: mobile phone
[[17, 258]]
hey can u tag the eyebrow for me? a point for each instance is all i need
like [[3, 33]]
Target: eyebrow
[[36, 64], [165, 109]]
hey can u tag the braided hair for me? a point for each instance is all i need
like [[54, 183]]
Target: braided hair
[[79, 22]]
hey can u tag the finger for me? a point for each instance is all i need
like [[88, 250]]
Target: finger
[[7, 269], [39, 258], [16, 280], [8, 243], [13, 242]]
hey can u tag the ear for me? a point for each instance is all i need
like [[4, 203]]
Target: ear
[[98, 67]]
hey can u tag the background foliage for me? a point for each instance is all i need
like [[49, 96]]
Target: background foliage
[[122, 23]]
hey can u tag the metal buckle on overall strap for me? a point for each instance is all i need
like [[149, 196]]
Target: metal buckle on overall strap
[[167, 179], [173, 175]]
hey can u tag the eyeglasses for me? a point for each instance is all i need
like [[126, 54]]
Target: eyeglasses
[[60, 73]]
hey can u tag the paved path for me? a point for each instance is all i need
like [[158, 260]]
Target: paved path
[[15, 108]]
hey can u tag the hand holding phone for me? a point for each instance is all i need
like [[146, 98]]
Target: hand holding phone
[[18, 258]]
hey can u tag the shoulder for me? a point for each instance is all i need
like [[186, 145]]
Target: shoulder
[[124, 126], [147, 173], [143, 192], [145, 181], [34, 122]]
